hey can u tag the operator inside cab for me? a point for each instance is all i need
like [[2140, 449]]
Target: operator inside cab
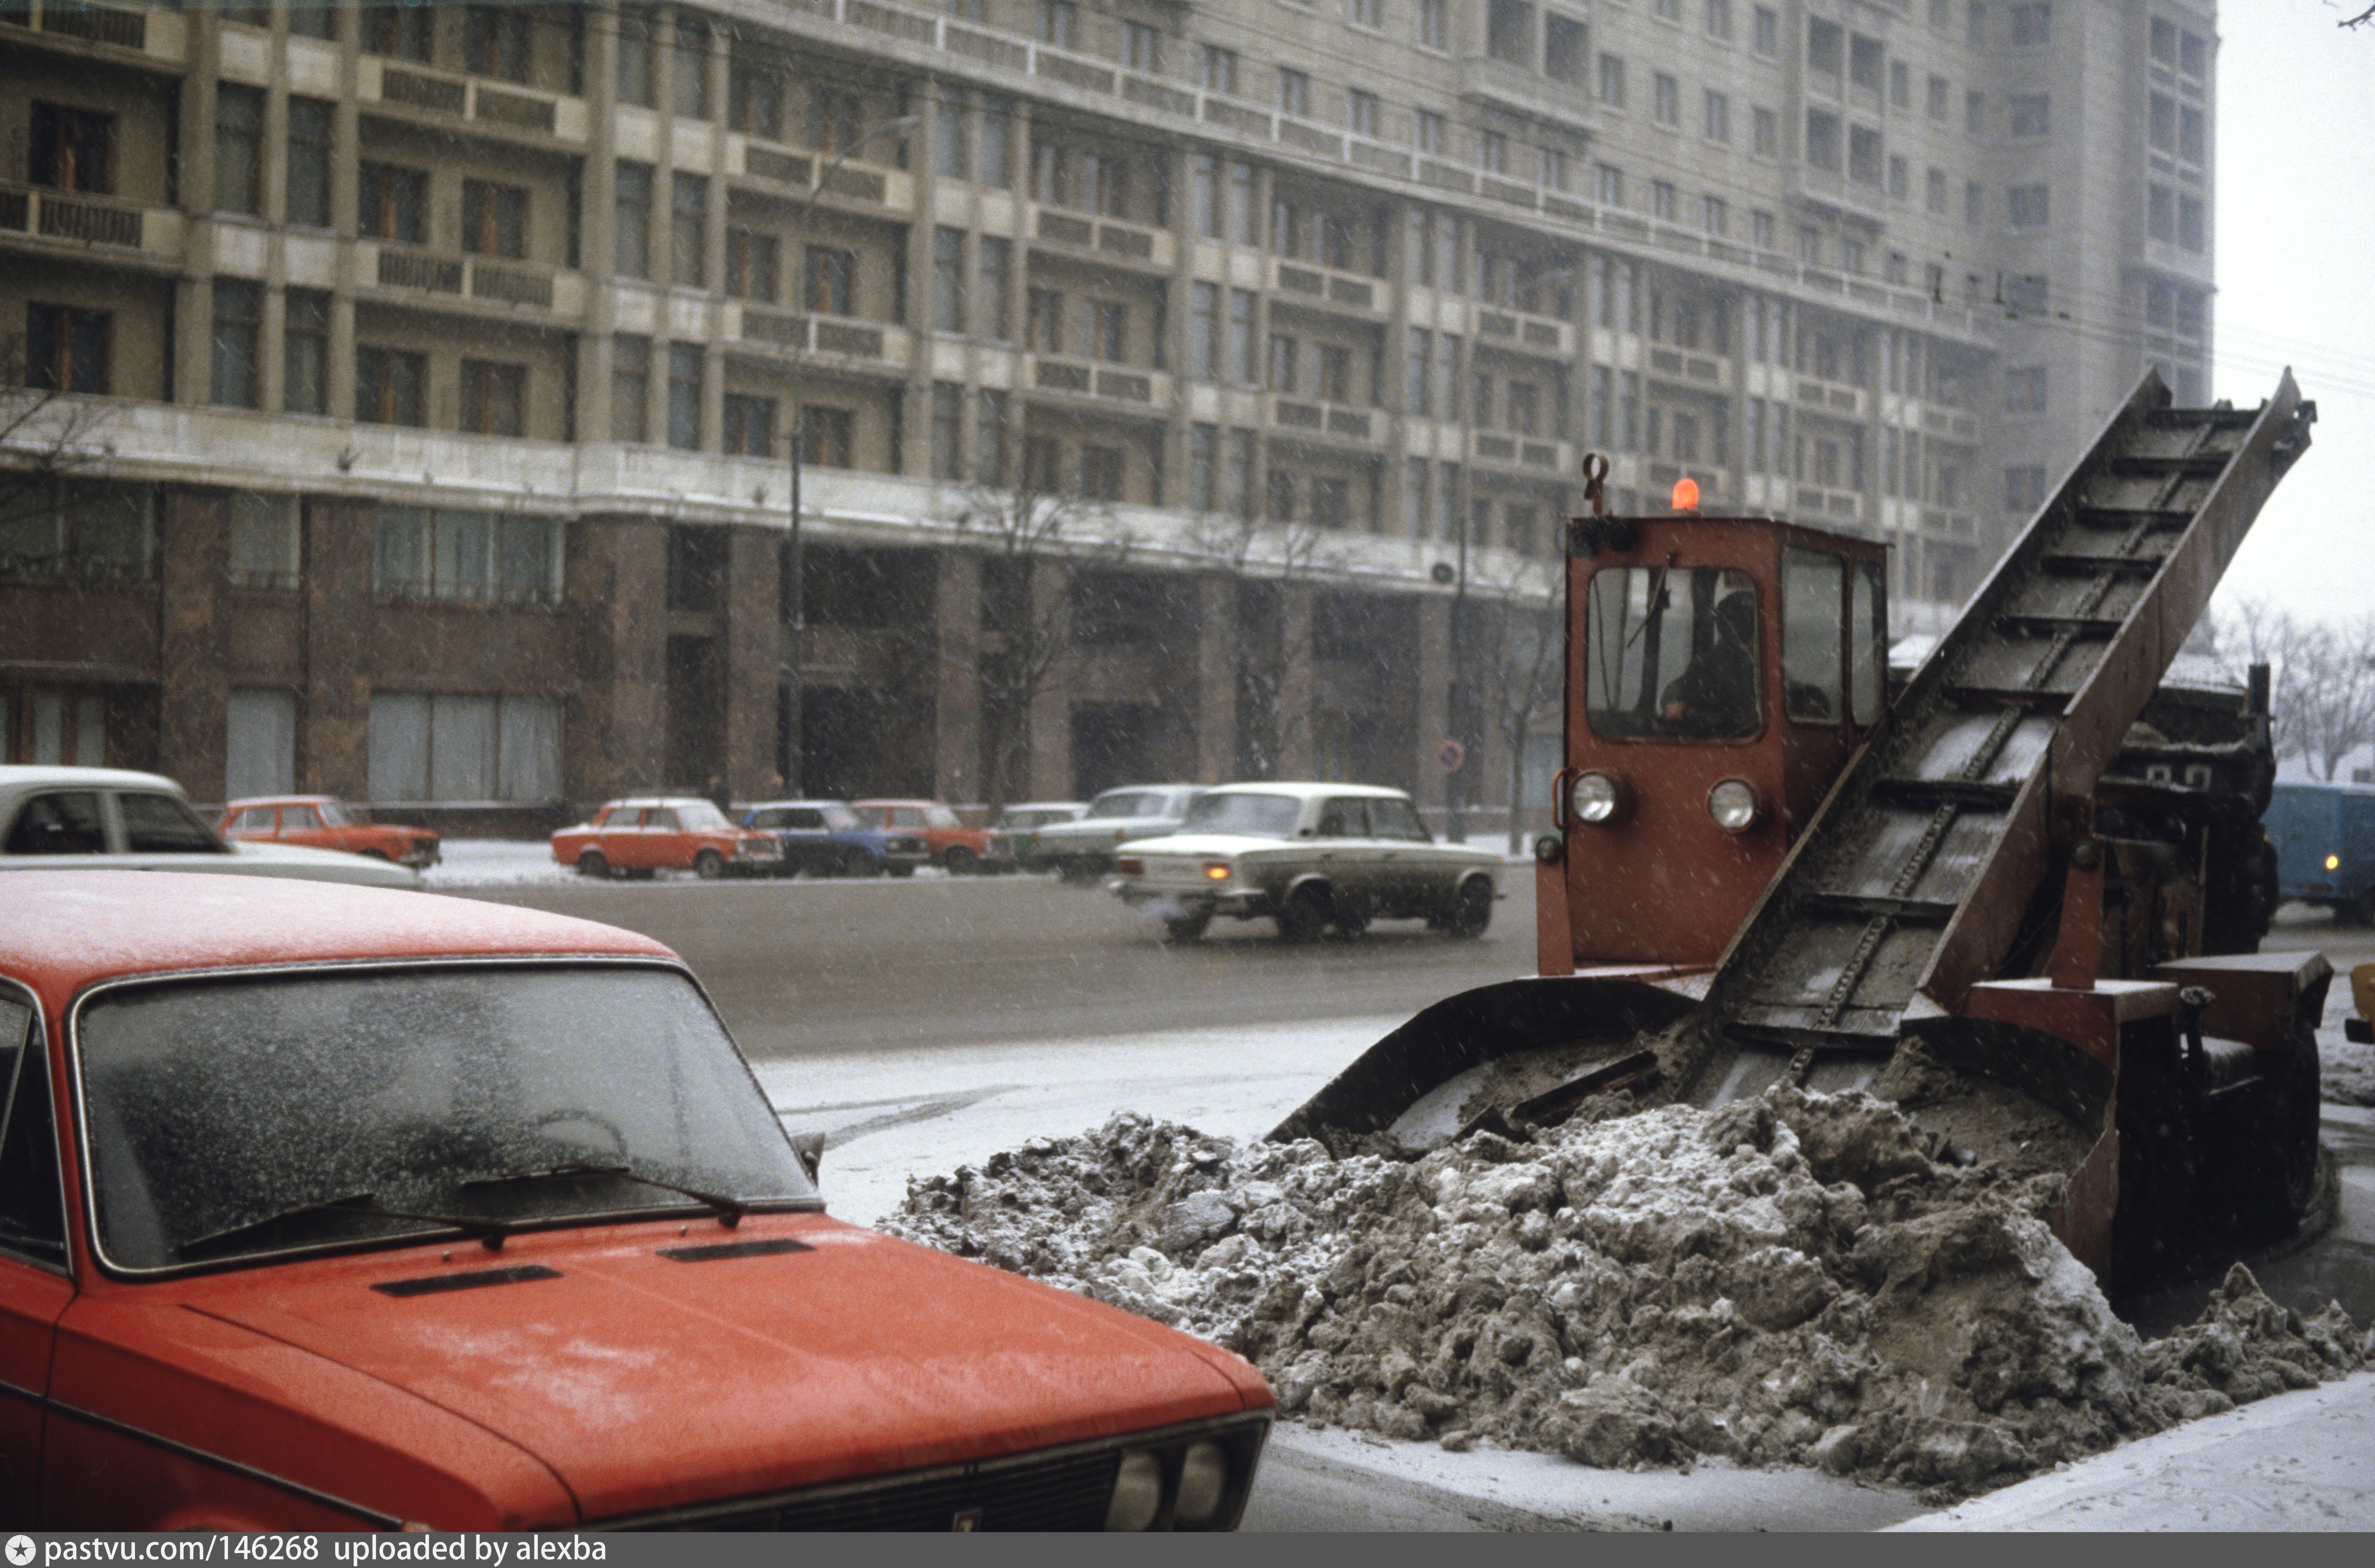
[[1672, 653]]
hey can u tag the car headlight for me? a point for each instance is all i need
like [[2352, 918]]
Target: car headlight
[[1136, 1494], [1203, 1483], [1595, 798], [1216, 870], [1732, 805]]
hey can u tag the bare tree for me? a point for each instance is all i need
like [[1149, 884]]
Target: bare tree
[[2361, 19], [2322, 680], [1273, 556], [1522, 657], [45, 435], [1027, 632]]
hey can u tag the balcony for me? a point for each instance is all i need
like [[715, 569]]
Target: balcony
[[1107, 238], [1321, 285], [1340, 422], [1831, 397], [1520, 90], [829, 338], [1689, 368], [78, 218], [1499, 450], [755, 159], [1857, 201], [1085, 378], [158, 34], [480, 279], [448, 96], [1516, 329]]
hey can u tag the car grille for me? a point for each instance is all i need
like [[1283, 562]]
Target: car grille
[[1065, 1492]]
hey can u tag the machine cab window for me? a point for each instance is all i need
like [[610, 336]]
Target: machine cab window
[[1834, 638], [1675, 653]]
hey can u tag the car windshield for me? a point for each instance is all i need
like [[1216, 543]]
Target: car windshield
[[244, 1116], [841, 819], [940, 817], [700, 817], [1128, 803], [1258, 816]]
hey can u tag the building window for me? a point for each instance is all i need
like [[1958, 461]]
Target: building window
[[428, 749], [692, 72], [1975, 112], [260, 742], [1220, 69], [1863, 155], [493, 397], [391, 386], [1666, 96], [634, 227], [1761, 229], [1661, 200], [1974, 201], [832, 280], [1611, 185], [1492, 152], [2031, 25], [948, 279], [494, 219], [400, 32], [688, 230], [264, 546], [305, 352], [1719, 18], [1899, 178], [2029, 115], [1241, 336], [1426, 132], [1107, 330], [749, 425], [1939, 94], [1328, 502], [1203, 467], [1294, 92], [469, 556], [1432, 28], [990, 437], [951, 157], [2160, 214], [238, 148], [392, 203], [754, 101], [1101, 473], [1765, 35], [1766, 132], [1715, 116], [1059, 23], [1335, 373], [631, 380], [1551, 168], [1823, 140], [997, 145], [996, 258], [1612, 80], [634, 77], [2190, 225], [833, 116], [1285, 352], [752, 263], [1900, 84], [239, 318], [1509, 32], [948, 421], [494, 42], [309, 161], [1715, 215], [1361, 112], [825, 436], [2026, 205], [71, 149], [2024, 390], [2024, 489], [1203, 331], [1566, 49], [1142, 46], [1044, 329], [684, 395], [1936, 199], [1281, 496]]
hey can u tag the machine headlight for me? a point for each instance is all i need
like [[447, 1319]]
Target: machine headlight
[[1733, 805], [1203, 1483], [2333, 862], [1216, 870], [1595, 798], [1136, 1494]]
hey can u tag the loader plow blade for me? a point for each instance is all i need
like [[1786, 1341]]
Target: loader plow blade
[[1498, 1046]]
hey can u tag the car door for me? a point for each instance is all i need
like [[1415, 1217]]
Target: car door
[[302, 825], [255, 822], [614, 835], [58, 827], [1410, 873], [34, 1284], [656, 839], [1346, 854]]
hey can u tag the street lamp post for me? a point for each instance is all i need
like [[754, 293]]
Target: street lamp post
[[795, 698], [1455, 828]]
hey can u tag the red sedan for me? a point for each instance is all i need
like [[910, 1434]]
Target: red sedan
[[954, 848], [324, 821], [330, 1207], [637, 838]]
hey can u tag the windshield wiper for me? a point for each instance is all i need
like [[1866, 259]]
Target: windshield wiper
[[729, 1210], [489, 1233]]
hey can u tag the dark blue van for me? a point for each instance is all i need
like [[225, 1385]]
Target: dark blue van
[[2324, 835]]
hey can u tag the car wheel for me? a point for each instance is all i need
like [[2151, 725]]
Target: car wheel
[[1304, 915], [1349, 921], [959, 861], [1075, 873], [591, 864], [1184, 928], [1471, 909], [857, 863], [901, 870], [709, 865]]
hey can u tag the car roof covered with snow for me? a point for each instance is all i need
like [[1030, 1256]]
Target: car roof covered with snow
[[68, 929], [1313, 791]]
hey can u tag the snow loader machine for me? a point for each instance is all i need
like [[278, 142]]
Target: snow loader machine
[[2021, 896]]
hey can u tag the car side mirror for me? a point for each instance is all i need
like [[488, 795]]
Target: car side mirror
[[809, 1148]]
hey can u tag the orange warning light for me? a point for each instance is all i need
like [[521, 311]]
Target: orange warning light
[[1686, 495]]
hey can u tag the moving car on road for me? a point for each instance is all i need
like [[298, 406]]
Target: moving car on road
[[117, 819], [1083, 850], [826, 837], [330, 1209], [1314, 857], [670, 833], [324, 821], [1020, 824], [954, 848]]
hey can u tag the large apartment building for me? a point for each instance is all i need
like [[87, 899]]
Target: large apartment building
[[1180, 390]]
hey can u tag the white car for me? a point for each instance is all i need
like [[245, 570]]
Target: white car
[[84, 818], [1311, 856]]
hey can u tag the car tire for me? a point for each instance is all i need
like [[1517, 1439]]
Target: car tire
[[1348, 922], [901, 870], [959, 861], [1304, 915], [1181, 929], [1472, 910], [709, 865], [592, 863], [1075, 873], [857, 863]]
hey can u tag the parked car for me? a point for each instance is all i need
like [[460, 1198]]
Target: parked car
[[324, 821], [1314, 857], [954, 848], [119, 820], [1082, 850], [359, 1229], [827, 838], [670, 833], [2324, 835], [1020, 824]]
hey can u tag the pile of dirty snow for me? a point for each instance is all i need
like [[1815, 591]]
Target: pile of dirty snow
[[1791, 1280]]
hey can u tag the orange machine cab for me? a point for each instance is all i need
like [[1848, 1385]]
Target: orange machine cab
[[1727, 669]]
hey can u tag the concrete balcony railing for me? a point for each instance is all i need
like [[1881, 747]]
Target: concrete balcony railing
[[1334, 421], [1520, 90], [79, 218], [1812, 392], [158, 34], [754, 157], [1324, 286], [837, 340], [1825, 188], [1689, 365], [1085, 378], [1501, 449], [1110, 239], [1517, 329], [449, 95], [482, 279]]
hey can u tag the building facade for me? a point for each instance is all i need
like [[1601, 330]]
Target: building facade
[[405, 395]]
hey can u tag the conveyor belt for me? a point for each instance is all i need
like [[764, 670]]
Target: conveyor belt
[[1910, 880]]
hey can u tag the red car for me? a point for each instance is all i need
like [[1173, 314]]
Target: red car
[[954, 848], [676, 832], [335, 1207], [324, 821]]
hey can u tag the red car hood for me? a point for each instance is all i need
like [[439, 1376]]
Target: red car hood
[[647, 1383]]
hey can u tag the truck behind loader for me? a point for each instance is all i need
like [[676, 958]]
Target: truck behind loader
[[2022, 901]]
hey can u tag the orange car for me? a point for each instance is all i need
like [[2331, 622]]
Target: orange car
[[324, 821], [954, 848], [675, 833], [333, 1207]]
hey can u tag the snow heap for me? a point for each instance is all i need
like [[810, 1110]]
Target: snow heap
[[1791, 1280]]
